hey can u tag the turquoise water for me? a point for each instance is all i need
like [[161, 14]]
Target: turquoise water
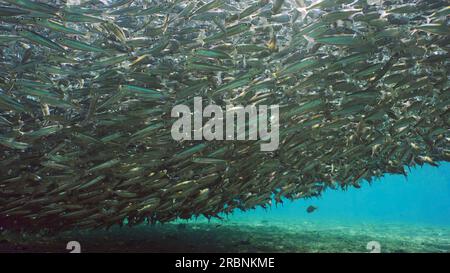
[[421, 198]]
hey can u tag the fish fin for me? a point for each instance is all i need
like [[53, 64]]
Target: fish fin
[[311, 42], [303, 12]]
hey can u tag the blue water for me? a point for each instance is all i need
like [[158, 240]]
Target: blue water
[[422, 198]]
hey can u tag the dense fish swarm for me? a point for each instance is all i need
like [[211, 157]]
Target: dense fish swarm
[[87, 88]]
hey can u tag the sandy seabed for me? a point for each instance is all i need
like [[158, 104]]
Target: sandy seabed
[[239, 236]]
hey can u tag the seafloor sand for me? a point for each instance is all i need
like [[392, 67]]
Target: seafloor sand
[[238, 236]]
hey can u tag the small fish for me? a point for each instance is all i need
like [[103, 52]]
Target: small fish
[[80, 18], [311, 209], [149, 93], [34, 6], [208, 6], [8, 11], [51, 24], [206, 67], [77, 45], [439, 29], [341, 40], [11, 143], [299, 66], [277, 5], [211, 53], [9, 103], [39, 39]]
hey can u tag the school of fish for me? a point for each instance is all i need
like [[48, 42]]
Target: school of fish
[[87, 88]]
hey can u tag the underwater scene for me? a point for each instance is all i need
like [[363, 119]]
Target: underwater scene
[[225, 126], [396, 214]]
